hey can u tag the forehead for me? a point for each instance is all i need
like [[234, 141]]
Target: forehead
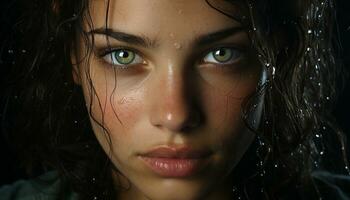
[[156, 17]]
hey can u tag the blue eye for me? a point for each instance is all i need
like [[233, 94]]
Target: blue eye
[[223, 56], [123, 57]]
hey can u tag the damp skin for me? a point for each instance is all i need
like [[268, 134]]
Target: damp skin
[[172, 93]]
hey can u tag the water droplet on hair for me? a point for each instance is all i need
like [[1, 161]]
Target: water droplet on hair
[[10, 51], [323, 127], [273, 71], [75, 121], [24, 51], [321, 153], [317, 135], [234, 189], [308, 49], [177, 46], [254, 29], [95, 198], [309, 31]]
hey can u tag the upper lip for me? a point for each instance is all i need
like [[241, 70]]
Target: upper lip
[[177, 152]]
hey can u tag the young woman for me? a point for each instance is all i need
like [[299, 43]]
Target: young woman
[[150, 99]]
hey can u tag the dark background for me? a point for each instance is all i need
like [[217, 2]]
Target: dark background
[[10, 170]]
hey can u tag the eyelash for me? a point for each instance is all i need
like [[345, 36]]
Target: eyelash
[[109, 57]]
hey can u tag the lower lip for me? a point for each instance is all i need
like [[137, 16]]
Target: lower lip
[[175, 167]]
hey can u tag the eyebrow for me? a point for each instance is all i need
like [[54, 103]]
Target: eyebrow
[[126, 37], [152, 43]]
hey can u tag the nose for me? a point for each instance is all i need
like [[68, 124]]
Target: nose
[[173, 104]]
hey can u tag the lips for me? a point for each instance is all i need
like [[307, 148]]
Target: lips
[[179, 162]]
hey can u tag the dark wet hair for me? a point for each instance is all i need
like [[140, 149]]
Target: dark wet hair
[[47, 120]]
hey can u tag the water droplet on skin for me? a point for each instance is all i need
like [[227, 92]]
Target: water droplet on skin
[[171, 35], [177, 46], [180, 11]]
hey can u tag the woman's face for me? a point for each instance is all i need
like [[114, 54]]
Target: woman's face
[[166, 82]]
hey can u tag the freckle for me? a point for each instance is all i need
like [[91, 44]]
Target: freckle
[[177, 46]]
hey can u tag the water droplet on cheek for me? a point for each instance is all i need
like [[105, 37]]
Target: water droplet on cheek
[[180, 11], [177, 46]]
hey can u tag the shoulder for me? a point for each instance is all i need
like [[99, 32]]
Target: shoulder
[[332, 186], [45, 187]]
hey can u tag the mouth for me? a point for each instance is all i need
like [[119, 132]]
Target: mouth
[[168, 161]]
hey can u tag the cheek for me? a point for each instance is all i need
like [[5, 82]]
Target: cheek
[[228, 130], [112, 109]]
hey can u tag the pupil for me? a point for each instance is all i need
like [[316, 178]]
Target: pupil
[[222, 52], [123, 54]]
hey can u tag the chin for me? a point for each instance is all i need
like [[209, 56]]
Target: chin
[[173, 189]]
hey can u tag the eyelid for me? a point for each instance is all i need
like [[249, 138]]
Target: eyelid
[[104, 51]]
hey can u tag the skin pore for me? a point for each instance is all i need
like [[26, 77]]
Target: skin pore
[[187, 69]]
